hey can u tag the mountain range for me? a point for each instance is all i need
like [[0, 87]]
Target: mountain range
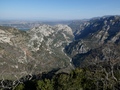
[[93, 44], [99, 36]]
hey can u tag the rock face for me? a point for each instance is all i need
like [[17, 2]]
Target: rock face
[[37, 50], [94, 34]]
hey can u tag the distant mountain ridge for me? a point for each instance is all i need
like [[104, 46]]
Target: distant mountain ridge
[[29, 24], [93, 34]]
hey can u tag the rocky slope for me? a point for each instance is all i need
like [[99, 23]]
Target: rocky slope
[[37, 50], [93, 34], [95, 47]]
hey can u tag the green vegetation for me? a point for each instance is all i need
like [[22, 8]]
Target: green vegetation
[[78, 79], [19, 87]]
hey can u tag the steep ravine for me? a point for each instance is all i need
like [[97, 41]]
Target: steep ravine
[[30, 52], [94, 45], [91, 35]]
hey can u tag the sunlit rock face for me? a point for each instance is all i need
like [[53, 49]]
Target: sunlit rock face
[[37, 50]]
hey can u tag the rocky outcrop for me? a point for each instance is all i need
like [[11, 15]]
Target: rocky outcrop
[[56, 36], [30, 52]]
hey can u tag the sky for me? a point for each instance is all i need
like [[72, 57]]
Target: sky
[[57, 9]]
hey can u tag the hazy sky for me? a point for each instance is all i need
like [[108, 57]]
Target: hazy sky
[[57, 9]]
